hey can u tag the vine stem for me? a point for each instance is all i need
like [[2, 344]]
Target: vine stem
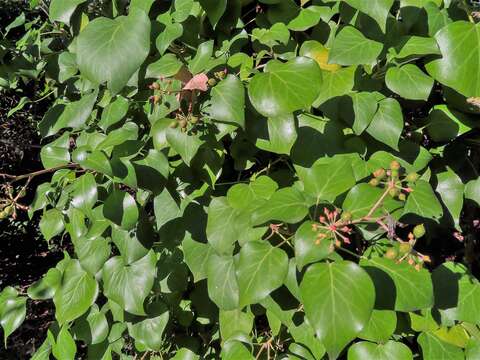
[[352, 253], [265, 345], [15, 178], [380, 200]]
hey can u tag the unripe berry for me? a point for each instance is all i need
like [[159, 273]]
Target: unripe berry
[[394, 173], [374, 182], [404, 248], [402, 197], [379, 173], [346, 216], [393, 192], [419, 231], [194, 119], [8, 210], [3, 215], [183, 123], [395, 165], [391, 253], [412, 177], [212, 82]]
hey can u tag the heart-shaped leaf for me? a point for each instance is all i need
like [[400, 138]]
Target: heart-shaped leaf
[[338, 299], [282, 90], [112, 51]]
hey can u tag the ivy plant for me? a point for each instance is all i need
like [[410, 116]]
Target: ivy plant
[[256, 179]]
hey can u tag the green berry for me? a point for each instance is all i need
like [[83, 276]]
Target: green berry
[[183, 123], [404, 248], [412, 177], [374, 182], [419, 231], [194, 119], [346, 216], [212, 82], [391, 254], [395, 165], [379, 173], [393, 192]]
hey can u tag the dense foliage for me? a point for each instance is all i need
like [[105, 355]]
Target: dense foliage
[[253, 179]]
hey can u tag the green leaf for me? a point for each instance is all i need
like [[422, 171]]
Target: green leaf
[[235, 324], [76, 293], [387, 124], [416, 45], [435, 349], [364, 107], [376, 9], [459, 67], [389, 351], [221, 230], [235, 350], [228, 102], [282, 135], [472, 190], [168, 65], [121, 209], [92, 253], [183, 9], [445, 124], [62, 10], [306, 18], [72, 115], [282, 90], [165, 208], [64, 347], [186, 145], [335, 83], [261, 269], [351, 47], [327, 178], [114, 112], [362, 197], [287, 205], [92, 329], [222, 282], [12, 311], [112, 51], [85, 194], [409, 82], [423, 202], [399, 286], [276, 35], [214, 9], [128, 131], [170, 33], [307, 247], [457, 291], [51, 223], [200, 62], [451, 189], [129, 285], [45, 287], [381, 326], [241, 197], [43, 352], [149, 331], [338, 299], [56, 153], [197, 256]]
